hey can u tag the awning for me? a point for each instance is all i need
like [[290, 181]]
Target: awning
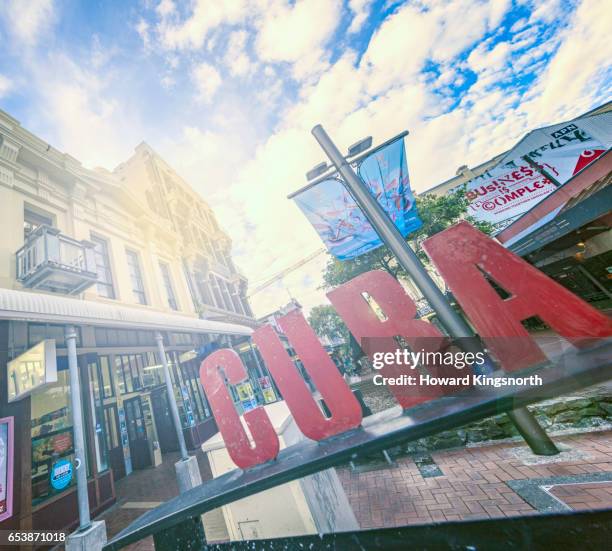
[[38, 307]]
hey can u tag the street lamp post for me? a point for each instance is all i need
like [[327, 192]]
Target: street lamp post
[[526, 424], [77, 427], [171, 398]]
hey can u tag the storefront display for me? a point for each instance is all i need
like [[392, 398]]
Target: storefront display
[[52, 439]]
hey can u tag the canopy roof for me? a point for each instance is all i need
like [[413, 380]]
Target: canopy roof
[[22, 305]]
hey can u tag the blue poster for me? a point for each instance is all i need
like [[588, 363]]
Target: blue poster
[[338, 220], [61, 474]]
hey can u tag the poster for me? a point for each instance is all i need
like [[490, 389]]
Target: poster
[[505, 192], [6, 467], [267, 390], [514, 186], [338, 220], [246, 396]]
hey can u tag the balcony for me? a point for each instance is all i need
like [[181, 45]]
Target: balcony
[[51, 261]]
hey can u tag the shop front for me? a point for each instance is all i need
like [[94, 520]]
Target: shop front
[[126, 416]]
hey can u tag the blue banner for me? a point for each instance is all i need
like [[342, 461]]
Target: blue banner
[[341, 224]]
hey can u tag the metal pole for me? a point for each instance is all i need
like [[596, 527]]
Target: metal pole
[[594, 280], [171, 398], [456, 326], [256, 359], [541, 170], [77, 427]]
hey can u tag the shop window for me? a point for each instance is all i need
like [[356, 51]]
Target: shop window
[[106, 377], [124, 384], [52, 438], [96, 399], [124, 337], [38, 332]]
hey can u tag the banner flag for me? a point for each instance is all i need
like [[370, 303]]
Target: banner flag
[[338, 220], [508, 190]]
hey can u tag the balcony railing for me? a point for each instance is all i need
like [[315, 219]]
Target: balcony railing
[[54, 262]]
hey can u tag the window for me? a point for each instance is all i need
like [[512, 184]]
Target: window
[[136, 276], [32, 220], [204, 289], [165, 271], [106, 377], [127, 370], [216, 291], [52, 437], [40, 331], [233, 289], [105, 276]]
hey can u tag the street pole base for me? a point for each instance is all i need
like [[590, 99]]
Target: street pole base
[[187, 474], [90, 539], [535, 436]]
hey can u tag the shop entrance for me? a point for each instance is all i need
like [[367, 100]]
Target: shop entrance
[[137, 433], [168, 441], [113, 443]]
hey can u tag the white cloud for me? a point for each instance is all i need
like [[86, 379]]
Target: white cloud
[[297, 33], [236, 58], [573, 80], [207, 81], [191, 32], [5, 85], [28, 22]]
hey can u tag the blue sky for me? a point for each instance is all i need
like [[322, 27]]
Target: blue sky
[[227, 91]]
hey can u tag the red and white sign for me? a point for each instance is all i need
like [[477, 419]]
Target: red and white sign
[[513, 187], [504, 193]]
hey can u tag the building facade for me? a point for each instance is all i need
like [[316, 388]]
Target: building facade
[[127, 258]]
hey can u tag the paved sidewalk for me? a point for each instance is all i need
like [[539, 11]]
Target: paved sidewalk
[[479, 482], [488, 481], [145, 490]]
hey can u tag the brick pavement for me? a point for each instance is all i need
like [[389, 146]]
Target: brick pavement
[[145, 488], [473, 485]]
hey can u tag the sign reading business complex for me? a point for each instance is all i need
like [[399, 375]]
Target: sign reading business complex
[[530, 172]]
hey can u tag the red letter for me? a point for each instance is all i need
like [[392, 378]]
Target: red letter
[[344, 407], [375, 335], [461, 252], [235, 437]]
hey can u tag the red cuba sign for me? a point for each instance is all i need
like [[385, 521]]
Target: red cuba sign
[[467, 260]]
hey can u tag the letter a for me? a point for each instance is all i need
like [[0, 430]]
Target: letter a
[[461, 255]]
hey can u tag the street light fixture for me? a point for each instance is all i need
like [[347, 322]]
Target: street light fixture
[[360, 146], [316, 171]]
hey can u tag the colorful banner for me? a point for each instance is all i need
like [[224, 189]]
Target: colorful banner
[[505, 192], [6, 467], [341, 224]]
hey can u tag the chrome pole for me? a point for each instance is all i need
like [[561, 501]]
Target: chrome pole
[[171, 398], [77, 427]]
